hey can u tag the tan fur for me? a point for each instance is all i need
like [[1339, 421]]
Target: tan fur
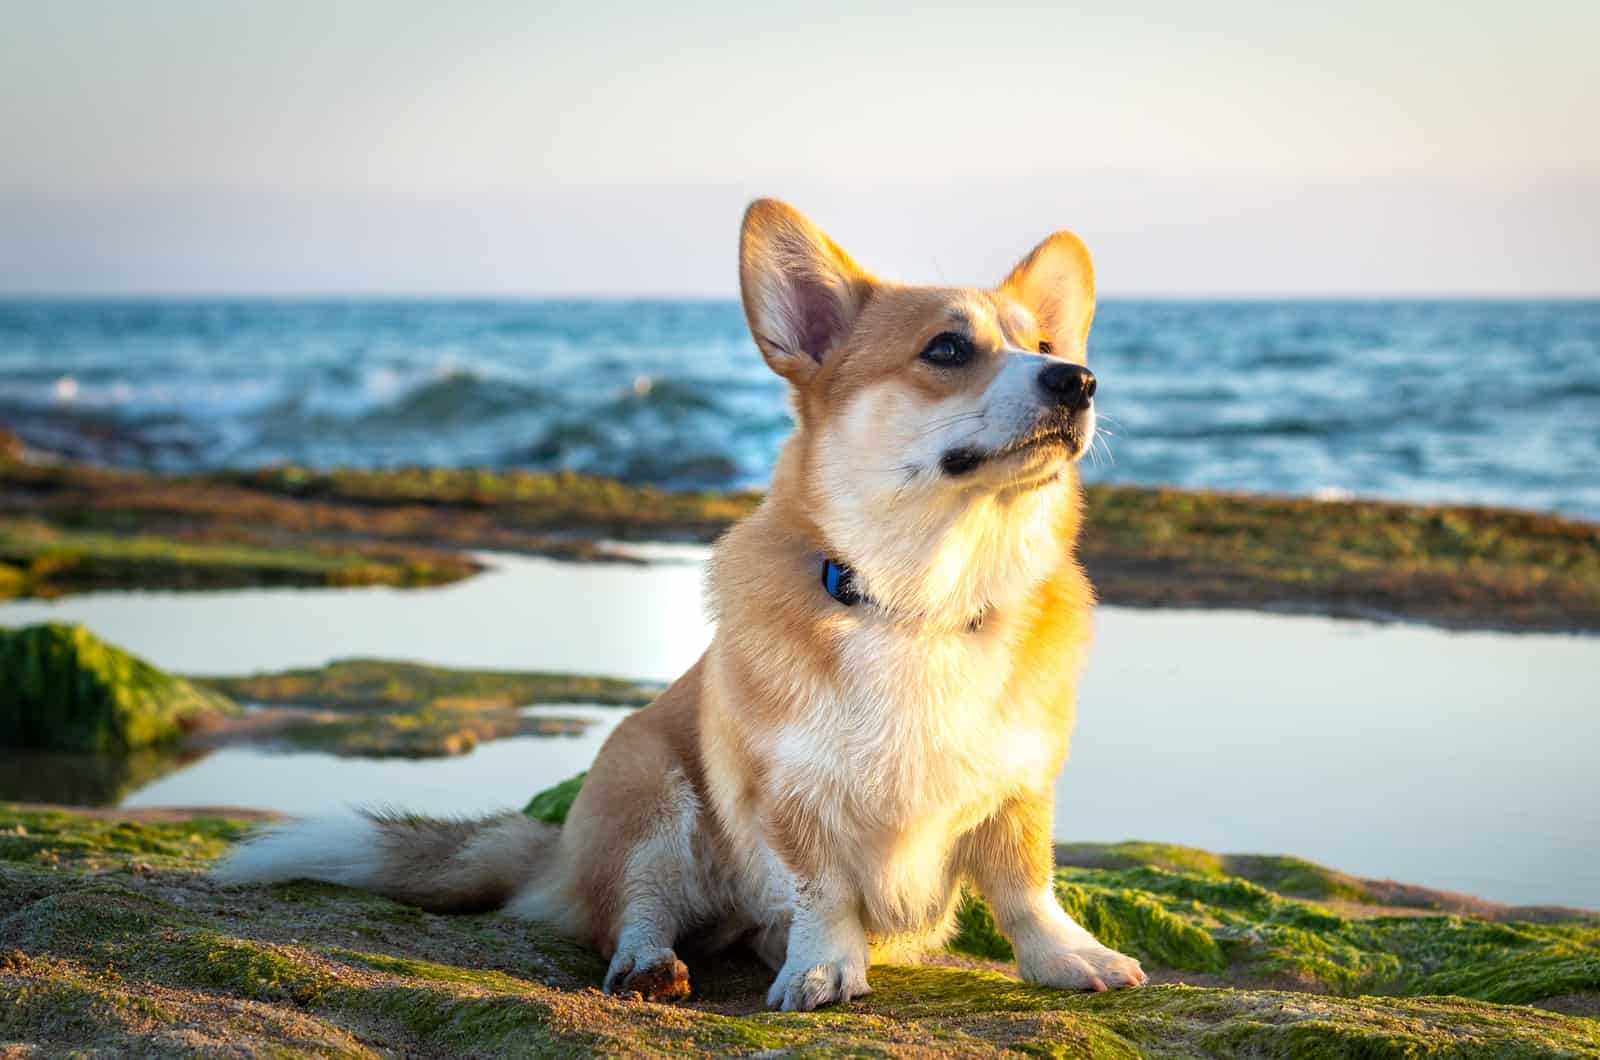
[[448, 866], [826, 777]]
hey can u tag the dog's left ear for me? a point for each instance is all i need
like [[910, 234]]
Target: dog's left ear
[[801, 292], [1056, 281]]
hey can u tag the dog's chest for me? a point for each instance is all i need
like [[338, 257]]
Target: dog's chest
[[917, 729]]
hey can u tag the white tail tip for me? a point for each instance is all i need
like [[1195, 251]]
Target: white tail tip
[[344, 849]]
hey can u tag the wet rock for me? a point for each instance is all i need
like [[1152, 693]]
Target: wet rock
[[64, 689]]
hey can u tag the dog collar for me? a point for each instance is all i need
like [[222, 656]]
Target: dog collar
[[840, 582]]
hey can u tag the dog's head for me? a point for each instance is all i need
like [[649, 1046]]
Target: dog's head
[[933, 389], [937, 427]]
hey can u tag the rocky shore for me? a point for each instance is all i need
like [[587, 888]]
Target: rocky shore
[[67, 527], [113, 941]]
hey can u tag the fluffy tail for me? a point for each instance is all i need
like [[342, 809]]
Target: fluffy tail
[[444, 866]]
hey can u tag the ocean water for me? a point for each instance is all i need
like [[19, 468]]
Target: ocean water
[[1495, 402], [1385, 750]]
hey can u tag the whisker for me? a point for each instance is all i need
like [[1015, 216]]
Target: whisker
[[911, 476], [951, 421]]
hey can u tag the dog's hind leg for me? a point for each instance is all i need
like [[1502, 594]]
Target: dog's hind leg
[[635, 870], [660, 893], [645, 962]]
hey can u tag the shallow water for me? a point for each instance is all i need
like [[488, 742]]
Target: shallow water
[[491, 777], [1461, 400], [1457, 760]]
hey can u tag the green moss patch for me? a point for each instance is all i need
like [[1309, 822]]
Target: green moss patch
[[113, 940], [63, 689], [383, 708], [383, 684], [1296, 877], [553, 500], [1455, 565], [553, 804], [38, 558], [55, 837]]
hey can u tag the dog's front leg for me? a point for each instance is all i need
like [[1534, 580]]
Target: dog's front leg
[[1011, 859], [826, 959]]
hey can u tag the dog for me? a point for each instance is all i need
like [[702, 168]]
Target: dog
[[890, 690]]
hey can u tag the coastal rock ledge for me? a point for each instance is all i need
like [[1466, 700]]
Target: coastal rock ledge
[[114, 942]]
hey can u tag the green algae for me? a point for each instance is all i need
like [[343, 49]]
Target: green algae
[[429, 732], [1177, 1021], [49, 998], [385, 684], [38, 558], [1296, 877], [1285, 875], [62, 838], [1265, 936], [976, 933], [385, 708], [67, 690], [553, 804], [1140, 923], [254, 970], [432, 971], [1197, 919], [554, 500], [1459, 566], [469, 1025], [104, 958], [104, 917], [1122, 918]]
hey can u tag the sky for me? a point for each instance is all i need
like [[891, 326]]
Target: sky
[[1234, 148]]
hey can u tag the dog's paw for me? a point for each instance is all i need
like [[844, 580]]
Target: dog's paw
[[1086, 968], [653, 974], [801, 988]]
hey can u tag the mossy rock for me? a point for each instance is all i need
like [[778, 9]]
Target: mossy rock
[[1466, 567], [64, 689], [392, 684], [46, 559], [1196, 918], [113, 942]]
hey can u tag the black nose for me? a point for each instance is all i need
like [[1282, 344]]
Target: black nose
[[1071, 385]]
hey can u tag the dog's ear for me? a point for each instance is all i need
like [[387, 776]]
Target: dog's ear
[[1056, 281], [801, 292]]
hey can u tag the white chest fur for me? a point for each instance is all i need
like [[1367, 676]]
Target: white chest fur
[[911, 748]]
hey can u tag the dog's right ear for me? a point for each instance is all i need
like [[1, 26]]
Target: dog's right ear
[[801, 292]]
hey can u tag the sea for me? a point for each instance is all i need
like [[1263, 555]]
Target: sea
[[1452, 401]]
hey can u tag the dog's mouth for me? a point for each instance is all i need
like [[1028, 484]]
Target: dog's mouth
[[1052, 436]]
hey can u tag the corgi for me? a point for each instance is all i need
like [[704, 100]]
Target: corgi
[[889, 692]]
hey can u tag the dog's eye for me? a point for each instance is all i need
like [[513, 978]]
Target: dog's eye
[[1045, 347], [948, 350]]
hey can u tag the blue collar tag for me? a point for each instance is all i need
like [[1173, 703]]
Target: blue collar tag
[[840, 581]]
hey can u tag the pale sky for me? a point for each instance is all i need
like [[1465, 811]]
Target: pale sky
[[1240, 147]]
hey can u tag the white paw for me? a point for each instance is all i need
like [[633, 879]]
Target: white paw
[[800, 988], [654, 974], [1083, 968]]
